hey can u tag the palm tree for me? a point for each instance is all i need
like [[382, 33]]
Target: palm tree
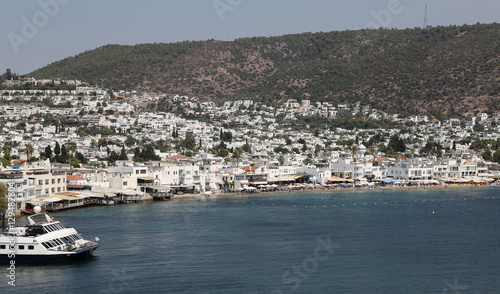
[[237, 155], [6, 151], [29, 150], [354, 150]]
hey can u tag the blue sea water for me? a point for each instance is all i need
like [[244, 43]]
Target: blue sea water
[[378, 241]]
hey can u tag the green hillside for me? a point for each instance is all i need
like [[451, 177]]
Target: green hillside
[[452, 70]]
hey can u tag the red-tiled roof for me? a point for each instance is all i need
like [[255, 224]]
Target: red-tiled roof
[[75, 178], [177, 157]]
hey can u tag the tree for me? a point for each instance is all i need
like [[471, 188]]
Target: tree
[[29, 150], [72, 147], [3, 198], [57, 149], [226, 136], [7, 149], [281, 159], [64, 151], [237, 155], [113, 156], [73, 161], [246, 148], [123, 154], [354, 150], [81, 158], [48, 152], [496, 156], [487, 156], [396, 144], [432, 148], [478, 128], [130, 141], [102, 142], [189, 143]]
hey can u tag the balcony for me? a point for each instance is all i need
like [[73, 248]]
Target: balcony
[[11, 175]]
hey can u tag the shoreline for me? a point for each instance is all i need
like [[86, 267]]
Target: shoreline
[[261, 193], [264, 193]]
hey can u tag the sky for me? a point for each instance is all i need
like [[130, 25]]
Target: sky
[[34, 33]]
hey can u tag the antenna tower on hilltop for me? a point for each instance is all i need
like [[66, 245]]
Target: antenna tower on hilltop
[[426, 23]]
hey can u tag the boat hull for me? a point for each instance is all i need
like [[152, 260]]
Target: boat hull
[[52, 258]]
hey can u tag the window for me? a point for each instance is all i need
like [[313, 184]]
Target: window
[[2, 246], [53, 181], [21, 247], [58, 189], [59, 181], [46, 181], [125, 183], [137, 172], [40, 182], [143, 171], [31, 247], [46, 190]]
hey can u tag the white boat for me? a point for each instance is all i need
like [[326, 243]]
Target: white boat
[[44, 240]]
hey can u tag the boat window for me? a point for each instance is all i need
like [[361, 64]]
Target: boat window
[[2, 246], [52, 243], [58, 242], [21, 247], [31, 247], [45, 245], [72, 238], [46, 229], [65, 240]]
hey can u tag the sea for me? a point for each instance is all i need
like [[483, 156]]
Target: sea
[[371, 241]]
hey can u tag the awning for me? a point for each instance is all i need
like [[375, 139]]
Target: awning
[[146, 178], [287, 178], [160, 188], [51, 199], [70, 198], [334, 179]]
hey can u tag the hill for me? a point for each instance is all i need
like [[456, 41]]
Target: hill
[[452, 70]]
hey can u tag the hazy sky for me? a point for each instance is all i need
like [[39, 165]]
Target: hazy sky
[[34, 33]]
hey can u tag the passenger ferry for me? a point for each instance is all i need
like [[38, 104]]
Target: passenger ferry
[[44, 240]]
